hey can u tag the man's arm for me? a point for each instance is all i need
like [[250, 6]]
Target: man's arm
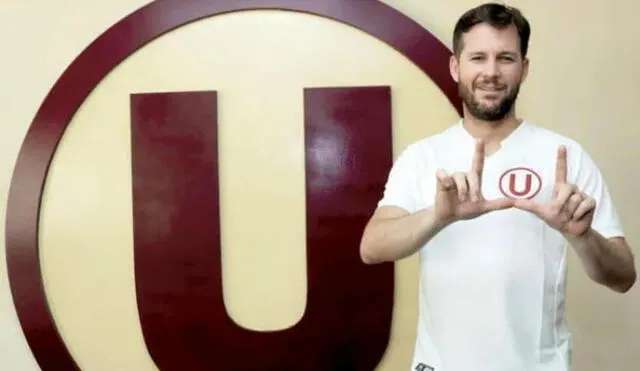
[[393, 233], [585, 215], [608, 261]]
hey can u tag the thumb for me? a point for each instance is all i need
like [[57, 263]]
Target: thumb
[[499, 204], [526, 205]]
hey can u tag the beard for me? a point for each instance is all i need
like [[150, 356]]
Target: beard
[[495, 112]]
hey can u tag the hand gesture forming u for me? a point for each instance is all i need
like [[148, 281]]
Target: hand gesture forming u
[[570, 211], [459, 195]]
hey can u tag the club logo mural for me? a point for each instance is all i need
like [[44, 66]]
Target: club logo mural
[[174, 146]]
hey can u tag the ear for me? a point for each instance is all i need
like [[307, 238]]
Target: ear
[[454, 67], [525, 69]]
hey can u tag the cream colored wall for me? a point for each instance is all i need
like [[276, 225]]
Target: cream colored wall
[[574, 89]]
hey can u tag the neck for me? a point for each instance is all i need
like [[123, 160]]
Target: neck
[[492, 133]]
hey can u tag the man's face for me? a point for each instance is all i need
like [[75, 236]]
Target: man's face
[[489, 71]]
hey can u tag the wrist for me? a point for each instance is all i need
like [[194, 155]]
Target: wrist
[[578, 239], [439, 222]]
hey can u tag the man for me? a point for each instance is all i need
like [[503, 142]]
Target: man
[[489, 204]]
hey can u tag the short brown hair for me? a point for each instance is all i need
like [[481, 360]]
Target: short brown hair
[[496, 15]]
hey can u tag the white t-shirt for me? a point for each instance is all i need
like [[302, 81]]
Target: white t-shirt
[[492, 289]]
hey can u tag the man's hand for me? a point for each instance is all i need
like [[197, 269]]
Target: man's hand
[[608, 261], [393, 233], [570, 211], [459, 196]]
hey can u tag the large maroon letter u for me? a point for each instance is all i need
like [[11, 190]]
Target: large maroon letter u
[[346, 324]]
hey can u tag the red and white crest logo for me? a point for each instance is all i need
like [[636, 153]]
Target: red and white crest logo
[[520, 182]]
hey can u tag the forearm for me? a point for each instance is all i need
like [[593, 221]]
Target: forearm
[[606, 261], [393, 238]]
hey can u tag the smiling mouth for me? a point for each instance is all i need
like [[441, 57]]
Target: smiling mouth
[[490, 89]]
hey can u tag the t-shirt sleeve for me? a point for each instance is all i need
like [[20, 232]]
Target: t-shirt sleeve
[[590, 180], [401, 186]]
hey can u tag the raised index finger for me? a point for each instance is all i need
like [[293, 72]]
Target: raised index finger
[[478, 158], [561, 165]]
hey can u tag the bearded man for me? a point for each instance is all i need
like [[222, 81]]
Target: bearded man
[[490, 205]]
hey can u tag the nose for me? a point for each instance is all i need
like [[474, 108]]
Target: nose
[[491, 68]]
